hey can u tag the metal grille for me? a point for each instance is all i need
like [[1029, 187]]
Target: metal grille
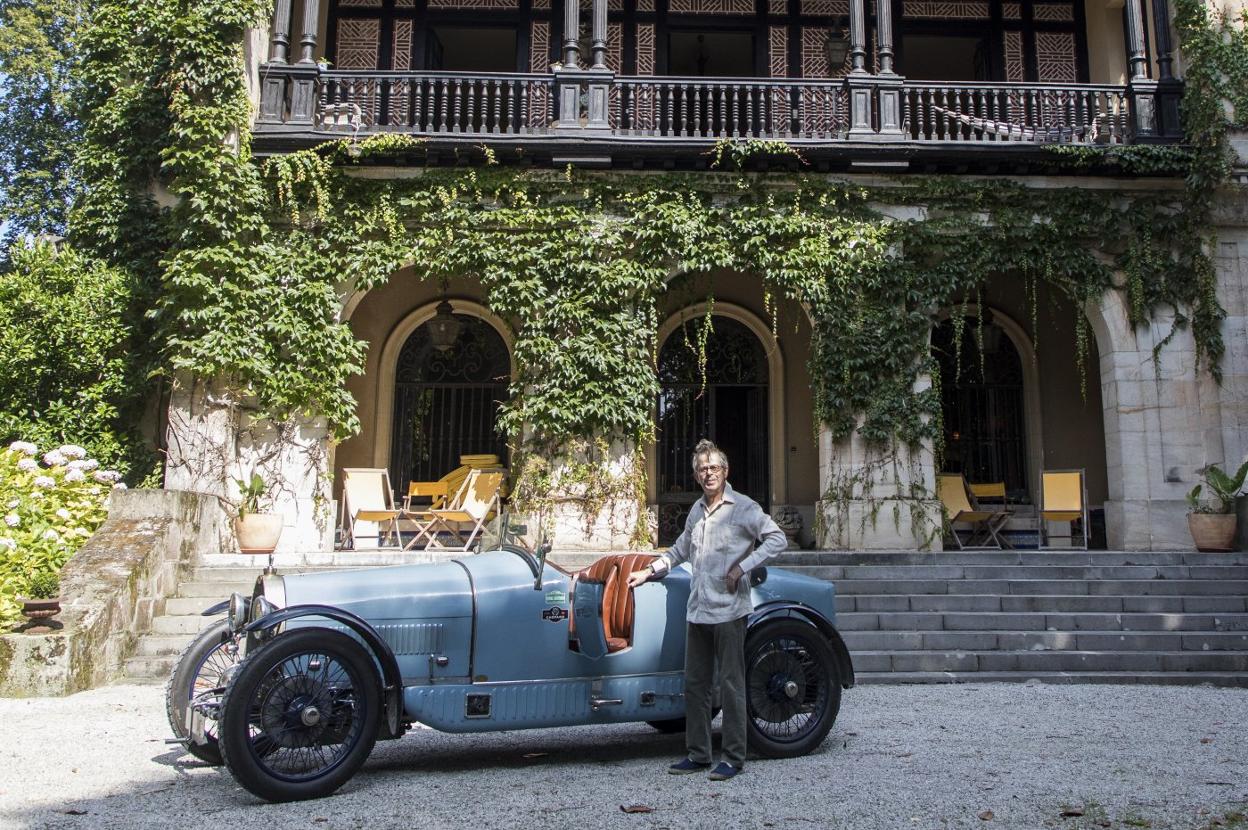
[[985, 425], [731, 410], [446, 403]]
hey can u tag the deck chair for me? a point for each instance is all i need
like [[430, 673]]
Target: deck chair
[[1063, 498], [476, 500], [951, 487], [989, 491], [440, 491], [368, 511]]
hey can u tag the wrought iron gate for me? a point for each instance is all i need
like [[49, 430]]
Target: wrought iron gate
[[446, 402], [730, 409]]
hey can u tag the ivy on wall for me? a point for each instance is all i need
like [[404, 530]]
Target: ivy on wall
[[246, 268]]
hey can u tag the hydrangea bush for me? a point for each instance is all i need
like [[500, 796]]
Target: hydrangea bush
[[50, 503]]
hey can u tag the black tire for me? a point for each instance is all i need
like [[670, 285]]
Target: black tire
[[673, 725], [200, 668], [301, 715], [793, 688]]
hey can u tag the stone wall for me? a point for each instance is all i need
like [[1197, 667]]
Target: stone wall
[[111, 590]]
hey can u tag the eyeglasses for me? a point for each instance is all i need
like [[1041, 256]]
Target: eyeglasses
[[711, 468]]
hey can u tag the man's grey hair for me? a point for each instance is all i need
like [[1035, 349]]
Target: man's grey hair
[[707, 447]]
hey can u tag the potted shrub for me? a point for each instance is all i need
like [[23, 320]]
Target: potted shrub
[[257, 531], [42, 599], [1212, 520]]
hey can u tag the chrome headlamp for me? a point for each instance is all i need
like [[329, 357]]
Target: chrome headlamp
[[236, 615], [261, 607]]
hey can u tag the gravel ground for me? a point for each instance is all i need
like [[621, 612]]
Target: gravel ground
[[899, 757]]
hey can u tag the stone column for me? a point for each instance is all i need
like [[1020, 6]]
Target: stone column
[[571, 30], [1135, 40], [311, 20], [599, 44], [857, 37], [280, 43]]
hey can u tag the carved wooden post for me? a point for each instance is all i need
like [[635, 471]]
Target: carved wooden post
[[273, 87], [279, 50], [1169, 89], [1141, 90], [311, 20], [888, 84], [858, 82], [571, 31], [304, 73], [857, 37], [599, 44], [1135, 43]]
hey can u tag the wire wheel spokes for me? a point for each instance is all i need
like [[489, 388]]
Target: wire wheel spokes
[[787, 689], [209, 683], [305, 716]]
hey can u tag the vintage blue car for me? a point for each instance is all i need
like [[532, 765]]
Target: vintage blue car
[[295, 685]]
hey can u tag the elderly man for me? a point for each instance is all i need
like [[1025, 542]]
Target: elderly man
[[718, 542]]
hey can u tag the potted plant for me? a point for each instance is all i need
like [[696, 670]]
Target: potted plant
[[42, 599], [257, 531], [1212, 521]]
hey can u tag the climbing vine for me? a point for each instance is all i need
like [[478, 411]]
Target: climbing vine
[[245, 269]]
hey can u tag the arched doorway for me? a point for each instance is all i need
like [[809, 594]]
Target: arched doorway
[[446, 401], [731, 409], [983, 405]]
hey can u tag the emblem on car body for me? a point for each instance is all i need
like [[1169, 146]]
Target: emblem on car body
[[554, 614]]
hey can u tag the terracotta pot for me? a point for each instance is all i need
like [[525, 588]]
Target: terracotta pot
[[40, 609], [1212, 531], [258, 532]]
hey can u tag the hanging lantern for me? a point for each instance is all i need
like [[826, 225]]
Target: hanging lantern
[[443, 328], [836, 49]]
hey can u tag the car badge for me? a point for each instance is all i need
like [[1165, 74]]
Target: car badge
[[554, 614]]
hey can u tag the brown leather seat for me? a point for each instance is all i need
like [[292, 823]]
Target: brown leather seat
[[617, 597]]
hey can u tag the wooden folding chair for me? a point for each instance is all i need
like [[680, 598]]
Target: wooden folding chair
[[1063, 498], [951, 488], [477, 499], [368, 507]]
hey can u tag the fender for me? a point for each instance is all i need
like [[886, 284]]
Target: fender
[[220, 608], [798, 611], [391, 678]]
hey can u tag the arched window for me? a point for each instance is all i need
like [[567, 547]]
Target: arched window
[[731, 410], [446, 402]]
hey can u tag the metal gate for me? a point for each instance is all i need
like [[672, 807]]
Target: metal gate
[[730, 409], [446, 402]]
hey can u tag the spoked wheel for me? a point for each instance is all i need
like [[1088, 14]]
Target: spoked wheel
[[300, 716], [198, 679], [793, 688]]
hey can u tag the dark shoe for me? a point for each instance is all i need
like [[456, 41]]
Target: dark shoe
[[723, 772], [686, 767]]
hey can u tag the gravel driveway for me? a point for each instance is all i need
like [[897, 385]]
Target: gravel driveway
[[899, 757]]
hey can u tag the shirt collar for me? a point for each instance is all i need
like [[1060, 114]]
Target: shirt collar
[[729, 497]]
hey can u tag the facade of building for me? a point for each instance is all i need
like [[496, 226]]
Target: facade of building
[[867, 92]]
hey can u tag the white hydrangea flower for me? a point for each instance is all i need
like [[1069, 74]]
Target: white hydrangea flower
[[77, 464], [75, 475], [45, 481], [121, 485], [88, 464], [27, 464], [106, 476], [14, 503], [7, 543], [12, 520], [72, 451], [61, 512], [24, 447], [54, 458], [51, 535]]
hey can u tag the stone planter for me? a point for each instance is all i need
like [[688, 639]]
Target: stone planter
[[1212, 531], [40, 609], [258, 532]]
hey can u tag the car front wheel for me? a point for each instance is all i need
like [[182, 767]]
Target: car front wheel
[[199, 677], [300, 716], [793, 688]]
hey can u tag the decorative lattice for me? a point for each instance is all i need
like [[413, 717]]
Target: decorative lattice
[[539, 61], [1055, 57], [778, 7], [541, 5], [946, 9], [835, 8], [368, 4], [357, 43], [401, 61], [645, 48], [778, 55], [1059, 12], [474, 4], [814, 56], [1014, 57], [645, 5], [405, 4], [1011, 11], [711, 7], [615, 62]]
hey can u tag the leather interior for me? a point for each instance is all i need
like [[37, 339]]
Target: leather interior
[[617, 597]]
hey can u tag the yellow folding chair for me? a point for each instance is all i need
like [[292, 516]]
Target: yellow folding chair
[[951, 488], [1063, 498], [368, 511], [477, 499]]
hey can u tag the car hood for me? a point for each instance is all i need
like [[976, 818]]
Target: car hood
[[408, 592]]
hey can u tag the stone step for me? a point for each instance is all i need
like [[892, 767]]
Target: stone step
[[192, 606], [186, 624], [149, 668], [1010, 640], [911, 621], [796, 559], [910, 660], [1106, 587], [161, 645], [214, 590], [1233, 679], [1047, 603], [838, 573]]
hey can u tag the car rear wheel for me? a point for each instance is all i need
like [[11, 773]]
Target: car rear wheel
[[199, 675], [793, 688], [300, 716]]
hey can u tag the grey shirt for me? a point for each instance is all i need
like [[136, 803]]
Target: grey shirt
[[712, 542]]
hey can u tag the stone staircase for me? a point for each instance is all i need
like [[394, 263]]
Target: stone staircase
[[1052, 616], [946, 617]]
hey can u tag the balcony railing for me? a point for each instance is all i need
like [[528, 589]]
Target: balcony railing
[[308, 101]]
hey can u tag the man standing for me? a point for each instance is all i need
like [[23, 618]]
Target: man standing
[[718, 542]]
